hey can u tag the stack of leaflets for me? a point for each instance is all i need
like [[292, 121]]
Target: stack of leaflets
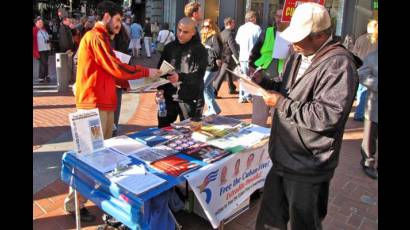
[[124, 145], [207, 153], [184, 142], [151, 154], [155, 136], [137, 180], [145, 84], [245, 137], [104, 160], [175, 165], [217, 127]]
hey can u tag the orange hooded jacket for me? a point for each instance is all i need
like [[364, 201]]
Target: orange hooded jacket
[[99, 70]]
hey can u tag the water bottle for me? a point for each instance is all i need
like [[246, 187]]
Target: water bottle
[[162, 109]]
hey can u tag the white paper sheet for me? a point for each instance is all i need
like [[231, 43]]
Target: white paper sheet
[[249, 85], [136, 180], [124, 58], [124, 144], [281, 48]]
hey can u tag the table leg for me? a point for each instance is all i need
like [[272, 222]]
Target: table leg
[[178, 226], [221, 225], [77, 205]]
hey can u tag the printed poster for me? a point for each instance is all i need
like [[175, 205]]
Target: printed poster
[[220, 188], [86, 130], [290, 6]]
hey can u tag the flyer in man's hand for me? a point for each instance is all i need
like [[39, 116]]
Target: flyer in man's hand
[[146, 84], [250, 86]]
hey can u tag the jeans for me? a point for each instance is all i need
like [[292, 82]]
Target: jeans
[[209, 94], [243, 94], [43, 67], [361, 102], [147, 43]]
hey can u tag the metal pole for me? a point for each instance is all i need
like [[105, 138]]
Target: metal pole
[[71, 6], [76, 202]]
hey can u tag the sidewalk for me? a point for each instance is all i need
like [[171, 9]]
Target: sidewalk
[[353, 196]]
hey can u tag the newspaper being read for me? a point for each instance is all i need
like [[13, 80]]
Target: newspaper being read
[[146, 84], [250, 86]]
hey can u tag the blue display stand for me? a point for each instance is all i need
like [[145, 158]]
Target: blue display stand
[[145, 211]]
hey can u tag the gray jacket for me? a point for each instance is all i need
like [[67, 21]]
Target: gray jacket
[[309, 122], [368, 76]]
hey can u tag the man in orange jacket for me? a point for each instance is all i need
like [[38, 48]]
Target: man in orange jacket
[[98, 72]]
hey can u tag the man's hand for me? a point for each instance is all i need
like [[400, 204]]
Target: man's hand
[[173, 78], [256, 77], [272, 98], [218, 62], [154, 73]]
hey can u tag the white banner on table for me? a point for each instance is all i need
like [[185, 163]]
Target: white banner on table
[[225, 184]]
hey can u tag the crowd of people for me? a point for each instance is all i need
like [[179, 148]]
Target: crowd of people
[[310, 87]]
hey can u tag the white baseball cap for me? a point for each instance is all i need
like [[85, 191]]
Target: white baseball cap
[[307, 18]]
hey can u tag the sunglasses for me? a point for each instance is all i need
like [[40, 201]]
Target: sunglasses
[[205, 26]]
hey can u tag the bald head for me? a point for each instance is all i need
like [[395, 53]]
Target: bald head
[[186, 21], [186, 30]]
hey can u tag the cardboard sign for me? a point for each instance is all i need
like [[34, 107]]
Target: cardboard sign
[[290, 6]]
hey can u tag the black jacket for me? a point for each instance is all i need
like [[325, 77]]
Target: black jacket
[[147, 30], [229, 45], [308, 124], [190, 61], [214, 47], [65, 40]]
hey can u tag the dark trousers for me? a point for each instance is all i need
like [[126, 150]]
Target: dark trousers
[[117, 111], [369, 143], [303, 203], [187, 109], [224, 74], [43, 70]]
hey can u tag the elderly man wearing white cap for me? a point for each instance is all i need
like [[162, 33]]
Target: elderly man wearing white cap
[[312, 102]]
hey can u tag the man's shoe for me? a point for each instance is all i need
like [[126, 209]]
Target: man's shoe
[[243, 100], [371, 172], [85, 215], [47, 79], [233, 92]]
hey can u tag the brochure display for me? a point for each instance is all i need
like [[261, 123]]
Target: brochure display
[[128, 174]]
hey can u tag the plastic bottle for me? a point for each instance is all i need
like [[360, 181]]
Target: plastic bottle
[[162, 109]]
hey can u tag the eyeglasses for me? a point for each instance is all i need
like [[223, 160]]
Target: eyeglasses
[[205, 26]]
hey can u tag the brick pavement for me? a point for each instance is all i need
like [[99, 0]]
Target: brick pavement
[[353, 197]]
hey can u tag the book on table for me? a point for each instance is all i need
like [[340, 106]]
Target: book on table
[[174, 165], [151, 154], [155, 136], [207, 153]]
